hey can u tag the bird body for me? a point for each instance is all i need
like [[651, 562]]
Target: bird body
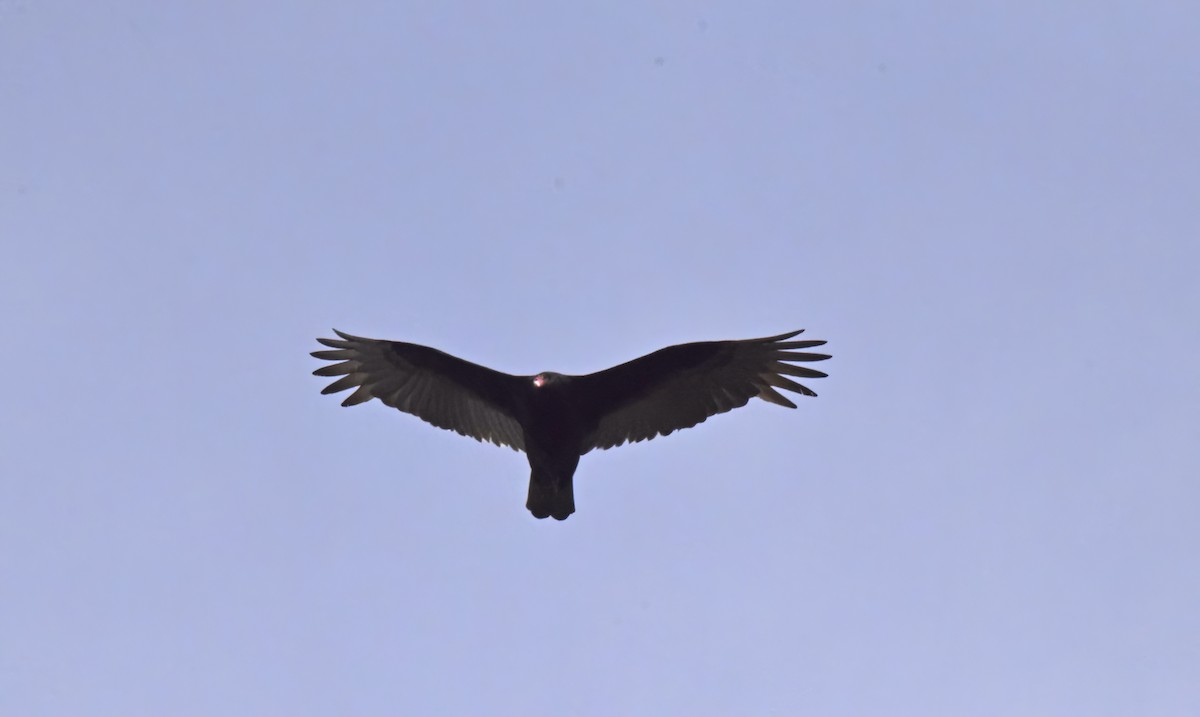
[[555, 428], [556, 418]]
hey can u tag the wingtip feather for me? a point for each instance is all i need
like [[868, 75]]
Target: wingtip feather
[[770, 395], [349, 337], [781, 337], [362, 395]]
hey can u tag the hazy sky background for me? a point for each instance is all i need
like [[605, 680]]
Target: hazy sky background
[[988, 209]]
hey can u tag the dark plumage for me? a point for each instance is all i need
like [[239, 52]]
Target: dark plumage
[[555, 418]]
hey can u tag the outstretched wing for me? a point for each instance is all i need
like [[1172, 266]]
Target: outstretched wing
[[683, 385], [434, 386]]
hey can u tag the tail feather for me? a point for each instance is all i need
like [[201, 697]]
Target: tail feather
[[550, 497]]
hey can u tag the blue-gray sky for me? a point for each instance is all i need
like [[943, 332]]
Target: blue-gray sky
[[988, 209]]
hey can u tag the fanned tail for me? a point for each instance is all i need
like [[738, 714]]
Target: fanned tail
[[551, 489], [550, 496]]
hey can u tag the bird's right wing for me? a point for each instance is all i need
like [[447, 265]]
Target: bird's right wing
[[434, 386]]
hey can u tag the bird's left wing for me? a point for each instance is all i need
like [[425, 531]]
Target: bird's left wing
[[680, 386], [436, 387]]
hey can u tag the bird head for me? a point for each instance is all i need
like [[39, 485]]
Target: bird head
[[548, 378]]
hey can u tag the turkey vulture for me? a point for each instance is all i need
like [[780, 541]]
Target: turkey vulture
[[556, 418]]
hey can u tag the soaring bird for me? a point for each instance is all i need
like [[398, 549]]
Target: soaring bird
[[556, 418]]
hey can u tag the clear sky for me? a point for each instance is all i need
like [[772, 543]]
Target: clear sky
[[988, 209]]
